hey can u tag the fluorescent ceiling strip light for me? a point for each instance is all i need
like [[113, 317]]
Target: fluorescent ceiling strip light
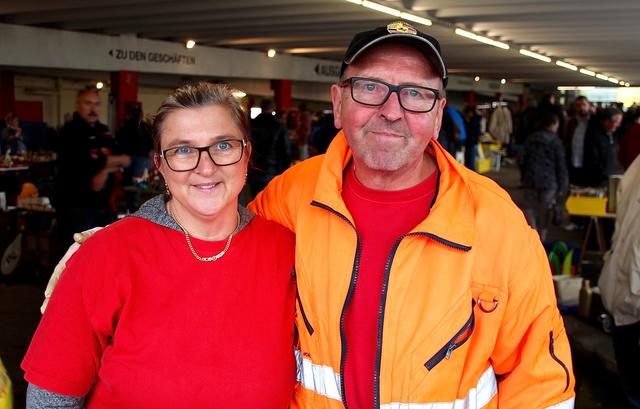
[[379, 7], [602, 77], [535, 55], [482, 39], [494, 43], [465, 33], [587, 72], [613, 80], [566, 65], [574, 88], [415, 19]]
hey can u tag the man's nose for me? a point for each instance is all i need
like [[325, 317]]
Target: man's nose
[[391, 110]]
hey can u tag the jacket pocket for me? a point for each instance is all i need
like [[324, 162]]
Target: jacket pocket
[[441, 354], [558, 360], [306, 321], [454, 343]]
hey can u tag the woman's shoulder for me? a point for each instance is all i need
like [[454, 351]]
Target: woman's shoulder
[[268, 231], [120, 234]]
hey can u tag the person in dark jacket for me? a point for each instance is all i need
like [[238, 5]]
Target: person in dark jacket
[[270, 148], [544, 173], [86, 164], [600, 148], [472, 123], [575, 138], [630, 142]]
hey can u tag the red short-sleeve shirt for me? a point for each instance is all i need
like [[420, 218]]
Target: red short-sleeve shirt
[[136, 321]]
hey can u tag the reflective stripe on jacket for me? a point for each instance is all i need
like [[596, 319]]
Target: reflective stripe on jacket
[[468, 315]]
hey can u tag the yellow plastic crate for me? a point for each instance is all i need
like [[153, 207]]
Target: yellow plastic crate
[[483, 165], [6, 394], [587, 206]]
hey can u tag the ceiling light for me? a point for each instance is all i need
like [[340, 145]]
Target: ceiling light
[[415, 19], [621, 83], [575, 88], [602, 77], [535, 55], [190, 43], [482, 39], [613, 80], [379, 7], [566, 65], [626, 84], [271, 53], [477, 78], [587, 72], [503, 81], [99, 85], [239, 94]]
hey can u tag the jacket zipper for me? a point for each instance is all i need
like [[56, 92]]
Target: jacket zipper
[[304, 316], [555, 358], [383, 302], [455, 342], [347, 300]]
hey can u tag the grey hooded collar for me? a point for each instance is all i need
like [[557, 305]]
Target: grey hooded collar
[[155, 210]]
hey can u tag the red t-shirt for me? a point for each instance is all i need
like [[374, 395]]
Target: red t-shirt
[[137, 322], [380, 218]]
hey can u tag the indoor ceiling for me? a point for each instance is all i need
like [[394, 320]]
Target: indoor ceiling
[[599, 35]]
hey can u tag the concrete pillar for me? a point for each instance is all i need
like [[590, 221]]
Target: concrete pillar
[[470, 98], [281, 94], [124, 89]]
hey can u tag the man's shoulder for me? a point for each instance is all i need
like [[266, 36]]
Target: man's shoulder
[[487, 194], [305, 170]]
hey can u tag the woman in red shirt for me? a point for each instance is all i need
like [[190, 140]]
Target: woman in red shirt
[[184, 304]]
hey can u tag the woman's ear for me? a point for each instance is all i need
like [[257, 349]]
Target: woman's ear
[[156, 161]]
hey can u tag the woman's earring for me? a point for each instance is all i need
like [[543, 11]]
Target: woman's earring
[[167, 189]]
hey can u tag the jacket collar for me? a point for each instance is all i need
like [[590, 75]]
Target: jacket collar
[[452, 215]]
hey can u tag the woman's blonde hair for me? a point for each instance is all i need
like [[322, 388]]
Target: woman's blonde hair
[[198, 95]]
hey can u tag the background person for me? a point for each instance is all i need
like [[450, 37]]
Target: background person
[[600, 148], [87, 161], [185, 304], [575, 138], [619, 283], [270, 144], [545, 177]]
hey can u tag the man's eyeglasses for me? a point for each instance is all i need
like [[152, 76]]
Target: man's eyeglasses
[[222, 153], [372, 92]]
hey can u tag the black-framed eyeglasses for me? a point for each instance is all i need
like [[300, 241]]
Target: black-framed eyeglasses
[[222, 153], [372, 92]]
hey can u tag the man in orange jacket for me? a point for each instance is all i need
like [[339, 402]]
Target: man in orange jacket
[[420, 284]]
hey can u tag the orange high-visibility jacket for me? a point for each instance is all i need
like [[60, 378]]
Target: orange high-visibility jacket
[[468, 315]]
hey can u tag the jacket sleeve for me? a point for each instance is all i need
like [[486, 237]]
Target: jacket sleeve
[[276, 202], [532, 359]]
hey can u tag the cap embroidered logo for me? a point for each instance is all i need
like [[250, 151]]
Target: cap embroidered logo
[[401, 27]]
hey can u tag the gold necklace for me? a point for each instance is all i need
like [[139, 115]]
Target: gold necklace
[[193, 251]]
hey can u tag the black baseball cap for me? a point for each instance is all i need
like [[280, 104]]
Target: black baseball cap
[[397, 31]]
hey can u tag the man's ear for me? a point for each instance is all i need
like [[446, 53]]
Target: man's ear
[[336, 100], [437, 123]]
